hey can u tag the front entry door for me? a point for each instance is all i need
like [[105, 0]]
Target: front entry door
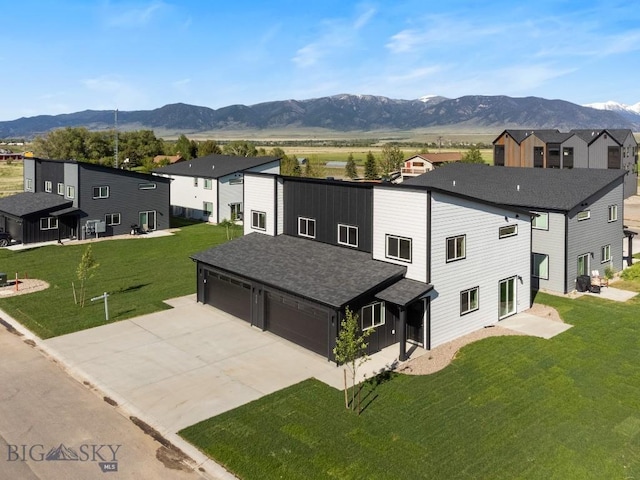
[[148, 220], [507, 304], [415, 322]]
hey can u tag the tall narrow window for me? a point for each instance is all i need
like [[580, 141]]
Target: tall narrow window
[[207, 183], [605, 253], [48, 186], [613, 213], [207, 209], [61, 189], [71, 191], [456, 248], [540, 267], [28, 185], [541, 221]]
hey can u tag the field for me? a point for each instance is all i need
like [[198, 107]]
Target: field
[[10, 178]]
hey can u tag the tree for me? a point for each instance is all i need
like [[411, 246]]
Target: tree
[[313, 168], [209, 147], [289, 166], [85, 271], [370, 167], [350, 350], [473, 155], [187, 148], [350, 169], [391, 158], [240, 148]]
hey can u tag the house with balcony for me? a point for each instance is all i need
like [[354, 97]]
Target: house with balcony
[[425, 162]]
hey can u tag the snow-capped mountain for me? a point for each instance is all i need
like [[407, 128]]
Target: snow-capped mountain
[[615, 106]]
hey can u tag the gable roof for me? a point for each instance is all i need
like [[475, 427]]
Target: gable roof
[[213, 166], [519, 134], [170, 158], [28, 203], [438, 157], [551, 136], [324, 273], [533, 188]]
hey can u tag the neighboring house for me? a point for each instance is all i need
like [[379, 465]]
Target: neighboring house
[[578, 225], [169, 159], [418, 264], [211, 188], [68, 199], [598, 149], [9, 156], [425, 162]]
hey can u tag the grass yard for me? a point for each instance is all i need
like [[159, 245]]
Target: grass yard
[[507, 407], [10, 178], [138, 273]]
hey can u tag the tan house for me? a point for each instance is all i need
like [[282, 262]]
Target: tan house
[[424, 162], [172, 158]]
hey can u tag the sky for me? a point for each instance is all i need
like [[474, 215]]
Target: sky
[[66, 56]]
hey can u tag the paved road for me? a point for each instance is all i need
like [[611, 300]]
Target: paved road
[[43, 410]]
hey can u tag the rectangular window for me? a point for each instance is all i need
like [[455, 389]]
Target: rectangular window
[[567, 157], [28, 185], [469, 300], [540, 268], [207, 208], [399, 248], [541, 221], [456, 248], [112, 219], [372, 316], [48, 223], [207, 183], [236, 181], [584, 215], [538, 157], [258, 220], [306, 227], [195, 181], [61, 189], [508, 231], [236, 211], [613, 213], [48, 186], [71, 191], [605, 253], [347, 235], [101, 192], [147, 186], [613, 157]]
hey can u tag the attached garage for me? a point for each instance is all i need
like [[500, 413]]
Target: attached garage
[[297, 321], [228, 294]]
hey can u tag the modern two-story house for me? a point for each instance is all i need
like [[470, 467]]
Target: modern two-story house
[[68, 199], [612, 149], [418, 264], [210, 188], [577, 226]]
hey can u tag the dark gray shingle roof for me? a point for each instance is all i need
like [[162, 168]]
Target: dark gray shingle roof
[[213, 166], [404, 291], [532, 188], [28, 203], [551, 136], [325, 273]]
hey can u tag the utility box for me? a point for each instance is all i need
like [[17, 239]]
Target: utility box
[[3, 279]]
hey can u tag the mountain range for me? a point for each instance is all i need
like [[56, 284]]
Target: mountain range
[[347, 113]]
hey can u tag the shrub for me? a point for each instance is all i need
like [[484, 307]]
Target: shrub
[[631, 273]]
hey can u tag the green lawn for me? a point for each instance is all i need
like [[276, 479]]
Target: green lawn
[[138, 273], [506, 408]]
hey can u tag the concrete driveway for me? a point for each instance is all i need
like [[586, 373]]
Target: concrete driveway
[[192, 362]]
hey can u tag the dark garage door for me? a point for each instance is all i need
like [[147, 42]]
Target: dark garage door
[[229, 295], [298, 322]]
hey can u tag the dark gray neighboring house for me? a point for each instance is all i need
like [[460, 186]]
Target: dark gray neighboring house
[[69, 199], [578, 226], [299, 297]]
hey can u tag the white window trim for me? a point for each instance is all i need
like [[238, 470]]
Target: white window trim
[[52, 223], [468, 294], [204, 209], [399, 239], [303, 227], [605, 253], [540, 215], [61, 189], [208, 181], [71, 191], [533, 255], [103, 192], [348, 229], [586, 215], [513, 234], [113, 216], [147, 186], [458, 256], [255, 214], [613, 213], [28, 185], [373, 324], [48, 186]]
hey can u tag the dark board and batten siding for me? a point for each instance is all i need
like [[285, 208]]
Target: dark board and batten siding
[[48, 171], [329, 204], [125, 197]]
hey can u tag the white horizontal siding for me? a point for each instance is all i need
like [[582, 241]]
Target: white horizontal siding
[[401, 212], [228, 193], [271, 167], [185, 195], [488, 261], [260, 196], [551, 242], [280, 206]]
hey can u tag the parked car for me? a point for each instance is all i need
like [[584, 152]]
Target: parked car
[[5, 239]]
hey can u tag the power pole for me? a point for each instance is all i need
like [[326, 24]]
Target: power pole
[[116, 149]]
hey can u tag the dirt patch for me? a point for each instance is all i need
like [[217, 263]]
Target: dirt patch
[[170, 455], [438, 358], [25, 286]]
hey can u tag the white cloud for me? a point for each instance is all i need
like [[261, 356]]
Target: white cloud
[[364, 18], [133, 16]]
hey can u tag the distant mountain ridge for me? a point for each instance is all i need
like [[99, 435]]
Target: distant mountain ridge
[[346, 112]]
